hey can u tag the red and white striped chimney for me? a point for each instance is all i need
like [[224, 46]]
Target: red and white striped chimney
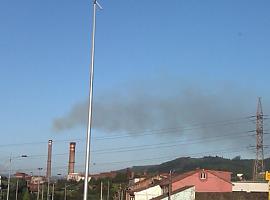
[[49, 160], [71, 163]]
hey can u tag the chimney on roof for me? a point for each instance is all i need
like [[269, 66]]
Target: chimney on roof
[[71, 163], [49, 160]]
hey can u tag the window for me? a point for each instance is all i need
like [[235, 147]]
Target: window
[[203, 175]]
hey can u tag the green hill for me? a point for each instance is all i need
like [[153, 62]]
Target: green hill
[[184, 164]]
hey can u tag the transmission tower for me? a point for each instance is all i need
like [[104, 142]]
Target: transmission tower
[[259, 161]]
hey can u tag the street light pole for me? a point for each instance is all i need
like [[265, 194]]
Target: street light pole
[[9, 173], [90, 103]]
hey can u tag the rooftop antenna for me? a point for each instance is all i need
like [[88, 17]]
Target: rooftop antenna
[[90, 102]]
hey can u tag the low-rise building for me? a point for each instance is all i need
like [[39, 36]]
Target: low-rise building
[[77, 177], [185, 193], [21, 175], [203, 180], [245, 186], [35, 182], [146, 193], [144, 182]]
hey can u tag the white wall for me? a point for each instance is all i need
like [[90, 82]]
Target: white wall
[[148, 193], [188, 194], [249, 187]]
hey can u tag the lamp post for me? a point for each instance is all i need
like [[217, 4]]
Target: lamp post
[[9, 174], [89, 125], [65, 189]]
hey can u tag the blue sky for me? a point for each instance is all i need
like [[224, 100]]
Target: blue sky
[[145, 51]]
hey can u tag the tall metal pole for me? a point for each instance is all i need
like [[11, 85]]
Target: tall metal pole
[[90, 103]]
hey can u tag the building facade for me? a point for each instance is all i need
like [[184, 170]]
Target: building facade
[[246, 186], [203, 180], [185, 193]]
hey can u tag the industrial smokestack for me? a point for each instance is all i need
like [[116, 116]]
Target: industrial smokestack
[[71, 162], [49, 160]]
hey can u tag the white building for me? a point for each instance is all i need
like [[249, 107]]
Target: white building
[[37, 180], [146, 193], [185, 193], [250, 187], [76, 177]]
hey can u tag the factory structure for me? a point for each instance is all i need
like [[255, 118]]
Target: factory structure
[[49, 160], [37, 183], [71, 162], [72, 175]]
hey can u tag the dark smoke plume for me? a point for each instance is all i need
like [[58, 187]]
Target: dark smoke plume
[[143, 110]]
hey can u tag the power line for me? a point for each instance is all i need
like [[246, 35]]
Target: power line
[[145, 132], [225, 150], [161, 145]]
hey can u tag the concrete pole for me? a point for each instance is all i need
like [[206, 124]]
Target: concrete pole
[[48, 190], [17, 187], [53, 191], [9, 172], [170, 186], [65, 196], [122, 194], [108, 194], [42, 192], [101, 190], [37, 191]]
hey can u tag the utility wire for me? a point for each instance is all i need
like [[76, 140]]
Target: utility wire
[[161, 145], [144, 132], [224, 150]]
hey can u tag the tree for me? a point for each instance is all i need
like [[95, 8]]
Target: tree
[[26, 195]]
